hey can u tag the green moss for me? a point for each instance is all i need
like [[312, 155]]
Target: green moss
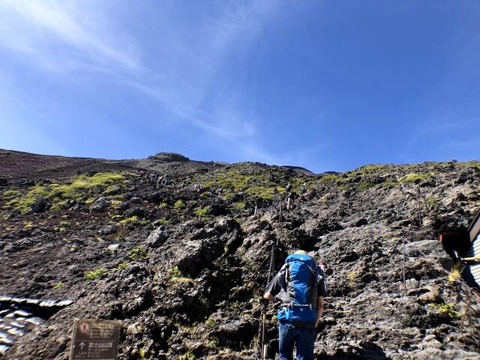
[[112, 190], [251, 181], [10, 194], [390, 184], [210, 322], [239, 206], [187, 356], [163, 205], [84, 184], [467, 164], [95, 274], [446, 309], [123, 265], [432, 202], [372, 169], [231, 181], [159, 222], [178, 277], [179, 204], [65, 224], [23, 202], [142, 353], [202, 211], [129, 220], [415, 178], [332, 179], [175, 272], [213, 343], [137, 253], [115, 203], [80, 188], [365, 186], [28, 225], [100, 180], [261, 192]]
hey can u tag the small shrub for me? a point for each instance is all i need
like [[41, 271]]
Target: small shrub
[[456, 273], [242, 250], [58, 285]]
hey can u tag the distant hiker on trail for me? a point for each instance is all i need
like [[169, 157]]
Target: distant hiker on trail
[[304, 188], [300, 285], [288, 188], [290, 197]]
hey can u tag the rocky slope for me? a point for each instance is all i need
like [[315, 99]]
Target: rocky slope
[[178, 251]]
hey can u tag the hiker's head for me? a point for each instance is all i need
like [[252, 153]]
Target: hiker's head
[[302, 241], [301, 251]]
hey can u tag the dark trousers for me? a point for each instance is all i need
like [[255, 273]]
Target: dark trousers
[[301, 337]]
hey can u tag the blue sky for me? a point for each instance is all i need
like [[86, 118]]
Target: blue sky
[[323, 84]]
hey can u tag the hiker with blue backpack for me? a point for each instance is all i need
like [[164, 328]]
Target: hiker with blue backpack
[[300, 285]]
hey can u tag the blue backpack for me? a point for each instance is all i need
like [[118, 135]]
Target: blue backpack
[[302, 277]]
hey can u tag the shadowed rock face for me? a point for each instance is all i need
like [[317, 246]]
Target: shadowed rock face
[[171, 247]]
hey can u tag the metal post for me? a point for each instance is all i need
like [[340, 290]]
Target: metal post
[[403, 269]]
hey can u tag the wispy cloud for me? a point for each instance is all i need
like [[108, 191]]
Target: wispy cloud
[[59, 30], [187, 78], [199, 92]]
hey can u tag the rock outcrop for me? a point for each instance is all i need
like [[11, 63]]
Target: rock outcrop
[[182, 263]]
